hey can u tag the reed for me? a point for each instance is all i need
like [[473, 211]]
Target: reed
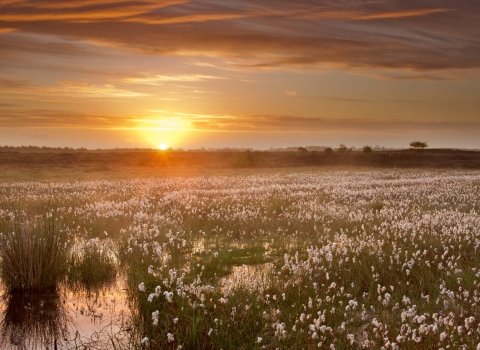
[[34, 252], [92, 264]]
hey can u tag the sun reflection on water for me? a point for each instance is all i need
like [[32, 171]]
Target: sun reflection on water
[[65, 319]]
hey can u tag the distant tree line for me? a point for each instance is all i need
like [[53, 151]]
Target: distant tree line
[[341, 149], [22, 147]]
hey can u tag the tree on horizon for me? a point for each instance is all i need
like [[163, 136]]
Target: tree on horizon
[[418, 144]]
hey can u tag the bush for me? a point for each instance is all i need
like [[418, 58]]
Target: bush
[[342, 148], [34, 253], [367, 149], [328, 150]]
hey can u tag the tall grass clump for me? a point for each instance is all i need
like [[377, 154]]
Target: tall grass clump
[[92, 264], [34, 252]]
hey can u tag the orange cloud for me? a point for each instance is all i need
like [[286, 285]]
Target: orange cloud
[[159, 78], [398, 34], [251, 125], [402, 14], [369, 15], [23, 87], [7, 30], [76, 11]]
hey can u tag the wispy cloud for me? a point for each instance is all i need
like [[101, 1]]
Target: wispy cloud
[[90, 90], [24, 87], [204, 64], [7, 30], [59, 119], [322, 97], [396, 34], [286, 123], [16, 83], [402, 14], [159, 78], [78, 11], [257, 124]]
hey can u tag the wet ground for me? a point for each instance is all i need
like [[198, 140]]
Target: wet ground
[[66, 319]]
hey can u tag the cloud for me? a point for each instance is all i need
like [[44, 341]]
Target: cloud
[[7, 30], [297, 124], [320, 97], [159, 78], [204, 64], [402, 14], [78, 11], [421, 35], [25, 88], [58, 119], [76, 89], [17, 44], [7, 83], [256, 124], [414, 77]]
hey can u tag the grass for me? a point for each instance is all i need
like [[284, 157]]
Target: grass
[[307, 260], [354, 266], [34, 252], [92, 264]]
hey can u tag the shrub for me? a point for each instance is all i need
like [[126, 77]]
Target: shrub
[[34, 253], [367, 149], [328, 150], [342, 148]]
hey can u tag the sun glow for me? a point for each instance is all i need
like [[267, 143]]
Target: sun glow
[[162, 146]]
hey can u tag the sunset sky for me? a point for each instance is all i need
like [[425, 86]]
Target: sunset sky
[[239, 73]]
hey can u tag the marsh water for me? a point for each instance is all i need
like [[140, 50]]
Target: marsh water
[[77, 318], [66, 319]]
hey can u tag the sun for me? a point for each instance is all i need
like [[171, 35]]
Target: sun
[[162, 147]]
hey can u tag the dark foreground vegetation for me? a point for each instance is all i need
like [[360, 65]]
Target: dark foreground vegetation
[[105, 160]]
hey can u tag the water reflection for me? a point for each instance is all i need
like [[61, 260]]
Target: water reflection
[[34, 321], [99, 316], [66, 319]]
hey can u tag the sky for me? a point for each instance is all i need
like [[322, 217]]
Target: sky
[[239, 73]]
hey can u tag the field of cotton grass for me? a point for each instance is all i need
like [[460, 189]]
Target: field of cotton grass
[[307, 260]]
